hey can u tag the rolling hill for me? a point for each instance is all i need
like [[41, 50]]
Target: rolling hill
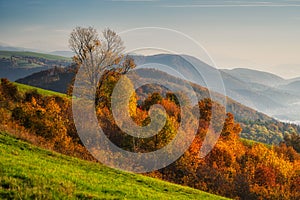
[[262, 91], [248, 87], [57, 79], [293, 86], [255, 76], [28, 172], [7, 54], [25, 88], [19, 64], [254, 123], [46, 121], [68, 54], [270, 94], [7, 47]]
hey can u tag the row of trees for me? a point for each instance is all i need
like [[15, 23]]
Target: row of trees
[[233, 168], [44, 120]]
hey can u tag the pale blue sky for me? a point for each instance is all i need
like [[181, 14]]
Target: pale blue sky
[[262, 35]]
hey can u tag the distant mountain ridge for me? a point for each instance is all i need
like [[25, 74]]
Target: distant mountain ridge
[[7, 47], [261, 91], [255, 76], [56, 79], [19, 64], [252, 121], [67, 54], [285, 93]]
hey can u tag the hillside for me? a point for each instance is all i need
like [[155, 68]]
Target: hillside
[[19, 64], [255, 76], [256, 89], [270, 94], [262, 91], [254, 123], [68, 54], [57, 79], [292, 86], [28, 172], [25, 88], [7, 54], [47, 121]]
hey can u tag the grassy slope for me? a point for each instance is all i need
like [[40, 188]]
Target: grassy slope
[[25, 88], [28, 172], [8, 54]]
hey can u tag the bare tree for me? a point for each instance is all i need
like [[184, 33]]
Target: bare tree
[[99, 55]]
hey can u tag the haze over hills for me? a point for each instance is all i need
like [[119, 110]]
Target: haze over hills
[[283, 93], [68, 54], [40, 113], [7, 47], [255, 76], [262, 91], [59, 79], [160, 88], [19, 64], [293, 86]]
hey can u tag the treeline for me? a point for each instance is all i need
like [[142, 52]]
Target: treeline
[[55, 79], [231, 169], [21, 61], [256, 126], [260, 127], [42, 120], [269, 132]]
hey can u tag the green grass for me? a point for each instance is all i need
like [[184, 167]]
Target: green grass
[[8, 54], [28, 172], [22, 88]]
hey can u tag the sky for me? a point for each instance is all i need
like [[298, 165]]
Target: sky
[[262, 35]]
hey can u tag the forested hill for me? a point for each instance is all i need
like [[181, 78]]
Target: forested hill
[[57, 79], [19, 64], [256, 126], [261, 91], [234, 168]]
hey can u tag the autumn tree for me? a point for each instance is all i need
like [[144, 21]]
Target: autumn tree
[[98, 56], [293, 140], [9, 90]]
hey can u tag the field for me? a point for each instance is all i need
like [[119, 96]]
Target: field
[[8, 54], [22, 88], [28, 172]]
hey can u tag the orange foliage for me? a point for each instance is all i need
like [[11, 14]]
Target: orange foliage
[[231, 169]]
